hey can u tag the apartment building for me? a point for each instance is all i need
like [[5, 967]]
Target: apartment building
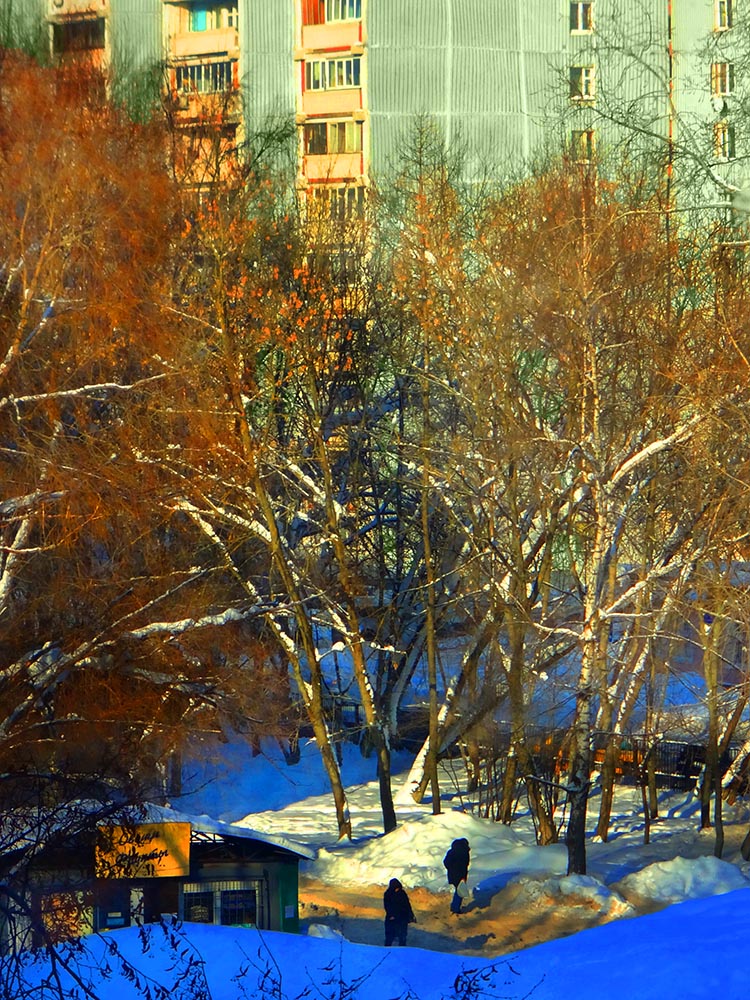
[[510, 80]]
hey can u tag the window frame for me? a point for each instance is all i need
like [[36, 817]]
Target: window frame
[[187, 76], [219, 16], [315, 138], [204, 900], [583, 144], [323, 74], [343, 7], [582, 17], [340, 202], [722, 79], [76, 36], [344, 136], [723, 15], [724, 141], [339, 136], [582, 80], [235, 903]]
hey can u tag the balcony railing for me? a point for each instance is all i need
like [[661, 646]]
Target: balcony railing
[[333, 166], [189, 44], [330, 102], [338, 35]]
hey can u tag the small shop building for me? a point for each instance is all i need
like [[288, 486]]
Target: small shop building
[[167, 864]]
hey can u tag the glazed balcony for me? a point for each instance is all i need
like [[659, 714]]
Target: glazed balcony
[[333, 166], [347, 100], [192, 44], [223, 107], [338, 35]]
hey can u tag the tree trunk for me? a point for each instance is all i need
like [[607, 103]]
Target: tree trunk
[[653, 795], [429, 586], [646, 812], [510, 777], [608, 775], [718, 817], [711, 778], [575, 839], [384, 783], [745, 848], [473, 765]]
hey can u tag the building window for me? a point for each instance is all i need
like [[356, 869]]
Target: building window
[[198, 907], [226, 902], [724, 141], [582, 18], [722, 15], [345, 137], [78, 36], [333, 137], [582, 145], [582, 83], [213, 16], [343, 10], [239, 907], [332, 74], [321, 11], [206, 78], [316, 138], [722, 79], [340, 203]]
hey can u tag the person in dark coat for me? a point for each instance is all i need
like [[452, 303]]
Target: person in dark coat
[[456, 863], [398, 913]]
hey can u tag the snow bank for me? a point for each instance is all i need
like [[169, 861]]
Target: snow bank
[[573, 891], [682, 878], [414, 853]]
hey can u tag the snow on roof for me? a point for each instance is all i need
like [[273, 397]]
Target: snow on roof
[[205, 824]]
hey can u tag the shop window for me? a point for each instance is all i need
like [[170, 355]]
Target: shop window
[[198, 907], [65, 914], [236, 902], [239, 907]]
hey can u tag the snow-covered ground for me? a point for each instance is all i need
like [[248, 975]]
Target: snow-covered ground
[[694, 948]]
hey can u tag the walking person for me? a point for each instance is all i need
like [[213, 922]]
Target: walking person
[[456, 863], [398, 913]]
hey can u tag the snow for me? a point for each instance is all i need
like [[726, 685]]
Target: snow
[[694, 947]]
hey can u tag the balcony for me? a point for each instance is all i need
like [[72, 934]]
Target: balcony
[[193, 44], [63, 9], [333, 167], [338, 35], [346, 100], [207, 109]]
